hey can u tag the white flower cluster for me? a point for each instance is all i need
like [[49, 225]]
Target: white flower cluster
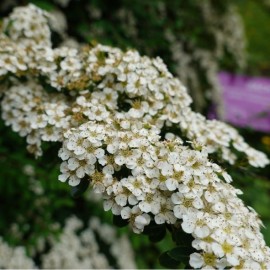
[[112, 111], [119, 245], [136, 86], [191, 59], [35, 114], [29, 26], [14, 258], [144, 179], [82, 251], [73, 250]]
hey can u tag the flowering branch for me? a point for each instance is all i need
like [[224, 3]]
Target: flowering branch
[[126, 126]]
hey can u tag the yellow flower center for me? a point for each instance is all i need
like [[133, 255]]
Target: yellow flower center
[[227, 248], [210, 259]]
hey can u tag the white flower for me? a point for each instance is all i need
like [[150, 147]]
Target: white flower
[[136, 217], [165, 213], [124, 196], [69, 175], [110, 204], [185, 203], [165, 167], [126, 156], [195, 222], [101, 181], [38, 120], [81, 167], [64, 154], [176, 178], [134, 184], [206, 261], [97, 113], [75, 144], [150, 202], [228, 250], [227, 177], [139, 109]]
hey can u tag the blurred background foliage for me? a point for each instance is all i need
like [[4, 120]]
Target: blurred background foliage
[[33, 201], [256, 17]]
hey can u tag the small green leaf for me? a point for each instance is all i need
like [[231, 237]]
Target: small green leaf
[[181, 254], [77, 191], [153, 227], [181, 238], [119, 222], [155, 232], [167, 261], [157, 235], [46, 5]]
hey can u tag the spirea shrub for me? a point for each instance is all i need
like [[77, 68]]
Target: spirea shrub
[[126, 129]]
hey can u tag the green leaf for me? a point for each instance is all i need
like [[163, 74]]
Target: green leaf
[[46, 5], [155, 232], [157, 235], [181, 254], [153, 227], [77, 191], [10, 22], [181, 238], [167, 261], [119, 222]]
